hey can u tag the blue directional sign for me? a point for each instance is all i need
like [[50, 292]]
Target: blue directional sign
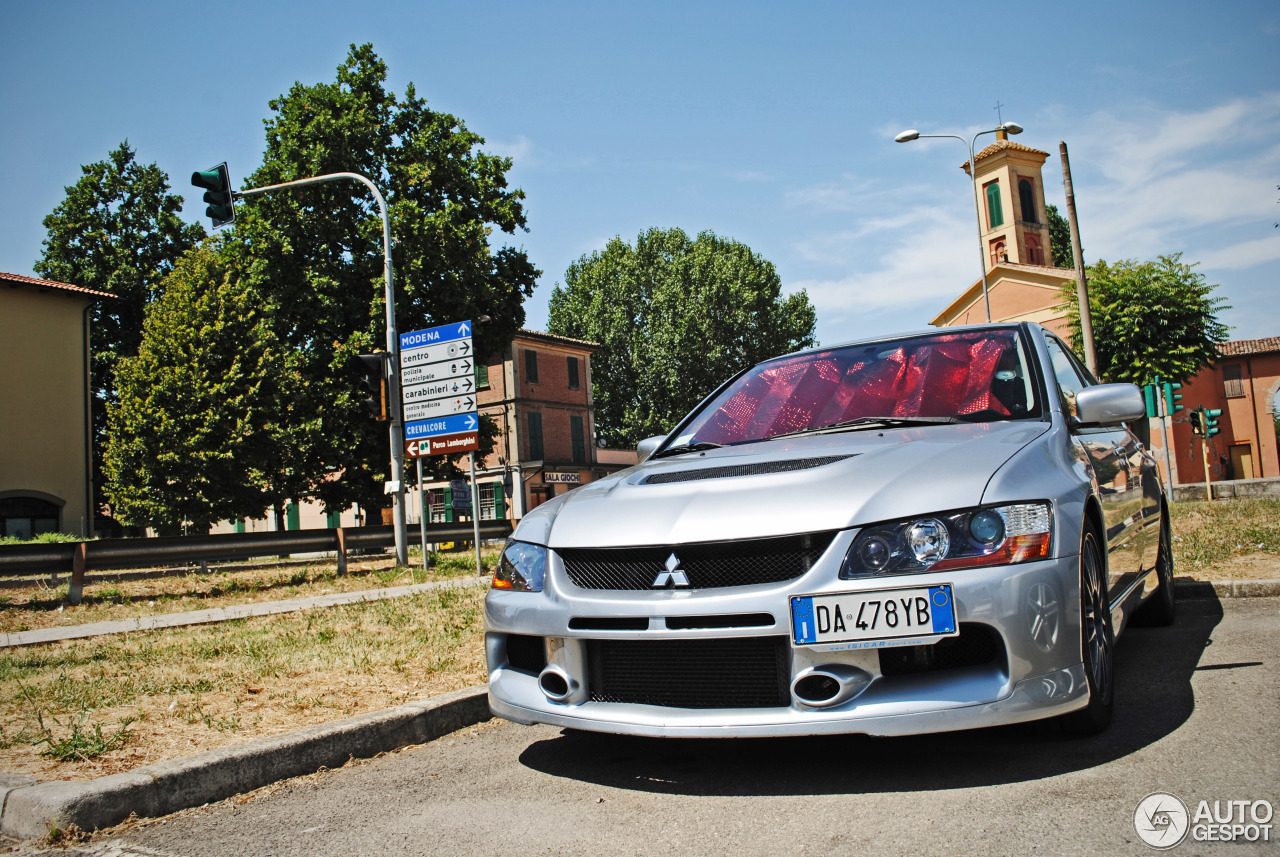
[[456, 424], [437, 383], [435, 335]]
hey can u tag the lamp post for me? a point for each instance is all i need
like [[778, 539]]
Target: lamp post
[[1007, 127], [396, 486]]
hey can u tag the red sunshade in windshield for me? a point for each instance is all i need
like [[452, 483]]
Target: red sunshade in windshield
[[940, 376]]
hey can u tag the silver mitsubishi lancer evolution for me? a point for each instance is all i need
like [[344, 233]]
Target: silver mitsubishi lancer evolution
[[927, 532]]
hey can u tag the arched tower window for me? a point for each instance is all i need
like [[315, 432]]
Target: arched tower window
[[1035, 255], [1027, 201], [995, 214]]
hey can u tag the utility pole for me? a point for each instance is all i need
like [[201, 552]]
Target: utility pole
[[395, 487], [1082, 287]]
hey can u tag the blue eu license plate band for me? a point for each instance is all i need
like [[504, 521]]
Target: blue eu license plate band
[[942, 615]]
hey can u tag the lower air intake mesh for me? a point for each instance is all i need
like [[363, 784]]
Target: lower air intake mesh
[[747, 672]]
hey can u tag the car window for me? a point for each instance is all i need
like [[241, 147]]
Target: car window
[[1070, 379], [976, 376]]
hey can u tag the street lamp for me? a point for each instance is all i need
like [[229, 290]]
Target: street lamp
[[1007, 127]]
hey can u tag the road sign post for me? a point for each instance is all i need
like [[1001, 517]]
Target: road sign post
[[437, 370]]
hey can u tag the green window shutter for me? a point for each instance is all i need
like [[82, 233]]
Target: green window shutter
[[482, 377], [530, 366], [535, 436], [995, 214], [499, 507], [293, 516], [573, 373], [448, 503], [333, 520], [579, 441], [239, 525]]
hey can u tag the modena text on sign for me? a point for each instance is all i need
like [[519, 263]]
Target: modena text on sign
[[442, 445]]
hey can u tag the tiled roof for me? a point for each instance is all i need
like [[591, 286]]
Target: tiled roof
[[552, 337], [51, 284], [1001, 146], [1242, 347]]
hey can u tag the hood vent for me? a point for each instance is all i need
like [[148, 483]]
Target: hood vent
[[732, 470]]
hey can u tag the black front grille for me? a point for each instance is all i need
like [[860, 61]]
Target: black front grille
[[975, 645], [730, 471], [707, 565], [748, 672]]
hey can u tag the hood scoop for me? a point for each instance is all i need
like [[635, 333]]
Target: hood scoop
[[786, 466]]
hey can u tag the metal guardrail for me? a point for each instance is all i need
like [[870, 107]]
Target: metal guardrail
[[78, 557]]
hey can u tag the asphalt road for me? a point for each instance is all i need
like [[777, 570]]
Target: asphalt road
[[1198, 716]]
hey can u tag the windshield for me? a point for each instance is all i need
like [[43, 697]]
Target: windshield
[[974, 376]]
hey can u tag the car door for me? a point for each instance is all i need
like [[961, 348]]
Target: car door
[[1116, 456]]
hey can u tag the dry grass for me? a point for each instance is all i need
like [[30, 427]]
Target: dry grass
[[173, 693], [1227, 539], [36, 604]]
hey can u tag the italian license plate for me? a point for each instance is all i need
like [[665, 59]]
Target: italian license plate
[[873, 619]]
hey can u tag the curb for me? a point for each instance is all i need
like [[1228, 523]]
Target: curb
[[166, 787], [1184, 588]]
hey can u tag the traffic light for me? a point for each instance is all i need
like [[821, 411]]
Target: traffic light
[[1211, 421], [373, 376], [217, 184], [1197, 422], [1149, 397], [1171, 398]]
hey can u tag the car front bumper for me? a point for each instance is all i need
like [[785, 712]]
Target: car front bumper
[[1037, 674]]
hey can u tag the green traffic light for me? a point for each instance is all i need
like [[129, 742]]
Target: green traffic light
[[217, 184]]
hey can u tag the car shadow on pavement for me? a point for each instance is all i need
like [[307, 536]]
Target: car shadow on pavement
[[1154, 667]]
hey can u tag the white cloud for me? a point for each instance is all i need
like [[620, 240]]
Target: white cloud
[[521, 150], [926, 266], [1246, 254]]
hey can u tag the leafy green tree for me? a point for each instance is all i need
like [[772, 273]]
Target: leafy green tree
[[674, 318], [1060, 238], [196, 434], [117, 231], [314, 254], [1149, 319]]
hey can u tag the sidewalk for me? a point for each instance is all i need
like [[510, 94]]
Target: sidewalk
[[222, 614]]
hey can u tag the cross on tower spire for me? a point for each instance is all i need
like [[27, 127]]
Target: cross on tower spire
[[999, 116]]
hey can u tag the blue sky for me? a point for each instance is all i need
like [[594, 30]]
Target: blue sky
[[769, 123]]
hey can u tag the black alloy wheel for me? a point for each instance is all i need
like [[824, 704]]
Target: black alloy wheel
[[1097, 643]]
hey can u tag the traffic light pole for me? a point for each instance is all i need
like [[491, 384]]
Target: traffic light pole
[[1166, 419], [396, 485]]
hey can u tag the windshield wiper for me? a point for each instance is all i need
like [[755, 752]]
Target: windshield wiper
[[871, 422], [682, 448]]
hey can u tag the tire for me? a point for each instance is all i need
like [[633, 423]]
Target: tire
[[1097, 643], [1161, 609]]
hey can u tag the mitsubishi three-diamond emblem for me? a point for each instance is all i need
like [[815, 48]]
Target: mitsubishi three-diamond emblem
[[673, 576]]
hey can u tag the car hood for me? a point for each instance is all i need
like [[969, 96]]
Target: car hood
[[803, 484]]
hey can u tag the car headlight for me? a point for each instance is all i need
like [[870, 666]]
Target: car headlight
[[995, 535], [522, 568]]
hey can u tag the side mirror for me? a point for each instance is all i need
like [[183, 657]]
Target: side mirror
[[648, 446], [1110, 404]]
